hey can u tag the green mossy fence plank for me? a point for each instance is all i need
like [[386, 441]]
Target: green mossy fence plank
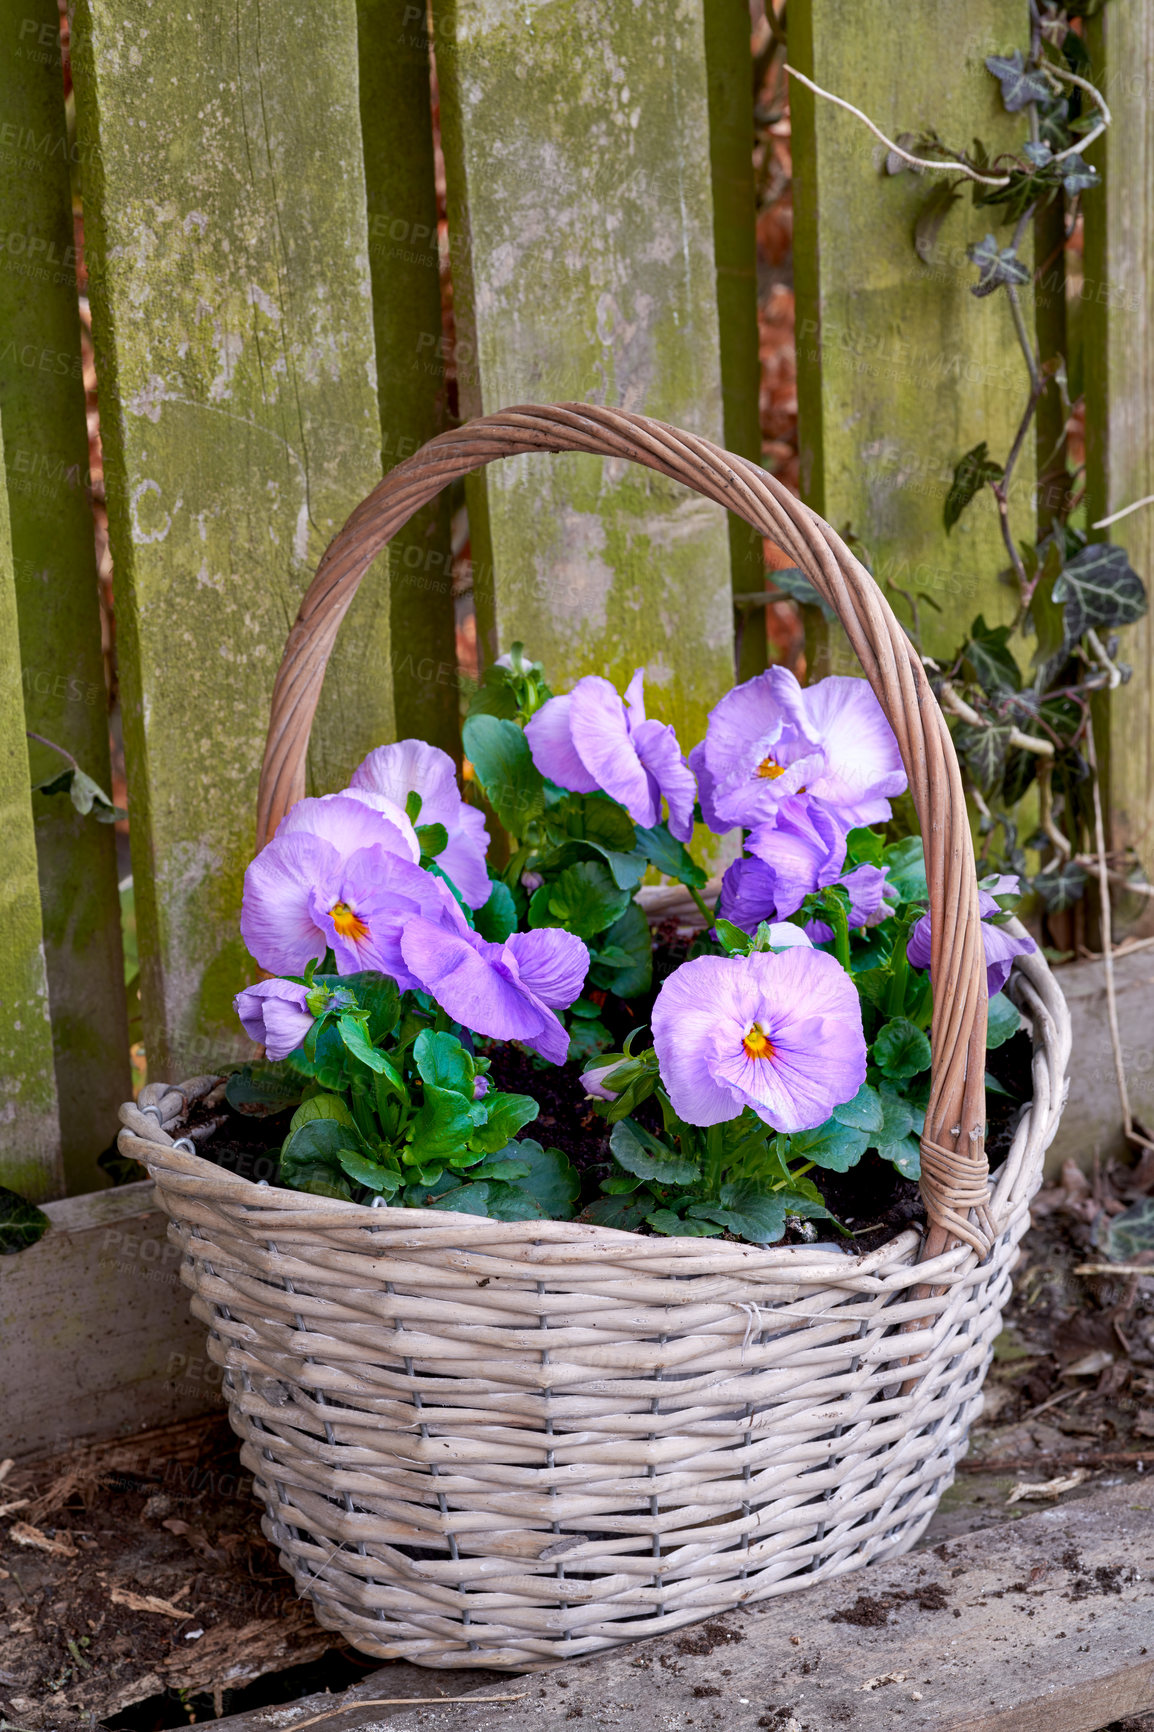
[[581, 224], [1118, 336], [901, 370], [396, 122], [29, 1125], [233, 314], [54, 557]]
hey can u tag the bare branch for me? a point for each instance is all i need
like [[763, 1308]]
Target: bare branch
[[914, 161]]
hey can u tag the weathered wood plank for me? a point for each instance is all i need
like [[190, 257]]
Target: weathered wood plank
[[581, 218], [900, 369], [233, 316], [1038, 1625], [29, 1124], [42, 398], [396, 122], [1118, 337], [96, 1338]]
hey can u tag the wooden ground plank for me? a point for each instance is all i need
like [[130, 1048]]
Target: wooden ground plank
[[96, 1339]]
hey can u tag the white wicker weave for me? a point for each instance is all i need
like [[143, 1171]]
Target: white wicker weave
[[510, 1443]]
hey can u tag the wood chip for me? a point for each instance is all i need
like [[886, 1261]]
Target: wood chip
[[6, 1467], [20, 1503], [26, 1535], [149, 1603], [1048, 1487], [884, 1678]]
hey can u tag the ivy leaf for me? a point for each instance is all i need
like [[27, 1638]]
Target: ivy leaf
[[496, 919], [1004, 1020], [21, 1222], [371, 1174], [1099, 587], [831, 1145], [640, 1153], [87, 796], [747, 1210], [901, 1050], [1061, 886], [928, 223], [991, 661], [864, 1112], [552, 1182], [442, 1060], [633, 973], [583, 899], [1131, 1232], [1078, 176], [1020, 84], [443, 1125], [670, 856], [971, 474], [983, 751], [506, 1115], [797, 586], [996, 265], [504, 767]]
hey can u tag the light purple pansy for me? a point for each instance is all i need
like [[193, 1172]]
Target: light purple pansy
[[303, 894], [275, 1013], [350, 821], [770, 739], [803, 852], [1000, 944], [412, 767], [592, 739], [779, 1032], [507, 991]]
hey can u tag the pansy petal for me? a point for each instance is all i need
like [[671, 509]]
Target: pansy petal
[[635, 697], [918, 943], [412, 766], [748, 890], [867, 887], [351, 820], [705, 792], [656, 745], [863, 763], [707, 1000], [551, 963], [275, 919], [465, 976], [600, 732], [1001, 947], [275, 1014], [552, 749]]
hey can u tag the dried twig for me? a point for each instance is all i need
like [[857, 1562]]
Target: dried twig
[[949, 167], [1117, 516], [957, 706]]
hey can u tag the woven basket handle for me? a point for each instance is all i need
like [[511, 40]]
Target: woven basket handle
[[954, 1167]]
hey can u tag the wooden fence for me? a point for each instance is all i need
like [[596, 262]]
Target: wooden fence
[[261, 243]]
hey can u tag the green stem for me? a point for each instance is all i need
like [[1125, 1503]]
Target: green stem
[[835, 913], [899, 975], [710, 916], [714, 1152]]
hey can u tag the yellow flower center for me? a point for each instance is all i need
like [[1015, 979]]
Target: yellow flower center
[[757, 1044], [348, 922], [769, 771]]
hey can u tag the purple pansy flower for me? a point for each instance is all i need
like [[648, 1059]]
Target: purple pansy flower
[[350, 821], [508, 991], [803, 852], [302, 895], [276, 1014], [412, 767], [593, 739], [1000, 944], [770, 739], [778, 1032]]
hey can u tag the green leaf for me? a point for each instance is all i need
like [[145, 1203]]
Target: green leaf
[[984, 752], [322, 1107], [639, 1152], [794, 583], [552, 1182], [387, 1180], [496, 695], [670, 856], [584, 899], [1131, 1232], [990, 660], [87, 796], [258, 1090], [1046, 615], [442, 1127], [677, 1227], [496, 920], [631, 936], [996, 265], [905, 863], [1005, 1020], [1099, 587], [357, 1042], [906, 1156], [732, 939], [511, 1203], [1020, 84], [803, 1198], [625, 1213], [863, 848], [746, 1209], [498, 1167], [864, 1112], [442, 1060], [943, 196], [899, 1118], [1061, 886], [376, 993], [310, 1158], [464, 1200], [587, 1039], [503, 765], [831, 1145], [21, 1222], [901, 1049], [604, 821], [971, 474], [506, 1115], [433, 839]]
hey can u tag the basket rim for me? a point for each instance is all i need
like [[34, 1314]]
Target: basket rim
[[145, 1138]]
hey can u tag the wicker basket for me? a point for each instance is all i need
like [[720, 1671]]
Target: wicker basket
[[509, 1443]]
